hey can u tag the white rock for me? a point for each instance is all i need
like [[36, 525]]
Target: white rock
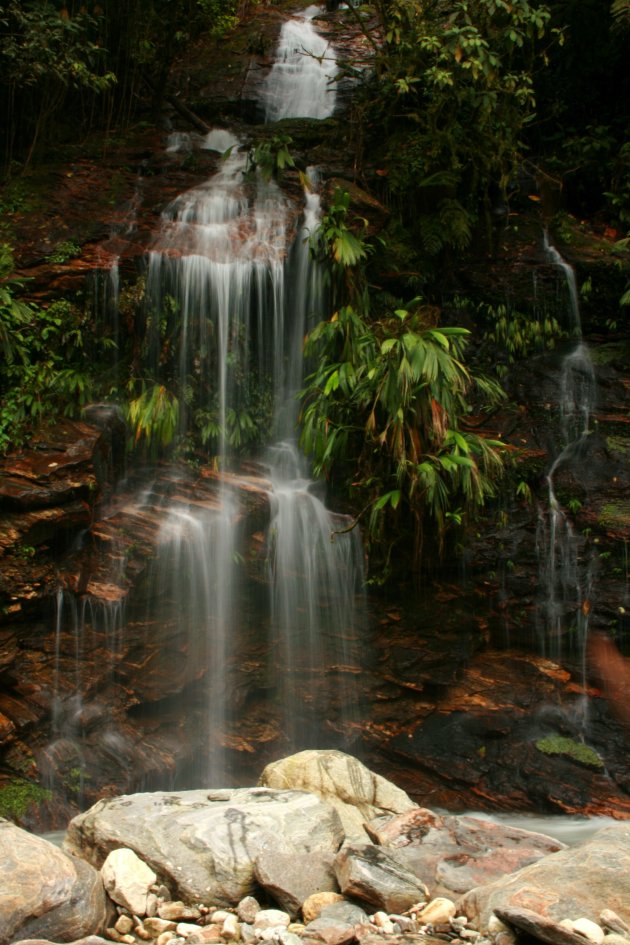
[[611, 920], [127, 880], [438, 911], [165, 937], [494, 924], [186, 928], [248, 933], [231, 929], [272, 918], [590, 930]]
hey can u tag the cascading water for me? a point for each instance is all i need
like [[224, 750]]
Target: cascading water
[[301, 83], [565, 580]]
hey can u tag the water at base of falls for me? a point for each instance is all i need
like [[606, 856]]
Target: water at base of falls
[[301, 82]]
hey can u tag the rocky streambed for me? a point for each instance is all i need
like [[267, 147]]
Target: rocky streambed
[[322, 851]]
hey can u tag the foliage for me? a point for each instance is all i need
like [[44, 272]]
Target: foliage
[[454, 93], [271, 157], [153, 417], [68, 249], [385, 406], [577, 751], [39, 379], [18, 796]]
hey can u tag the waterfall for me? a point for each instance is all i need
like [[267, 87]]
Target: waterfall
[[301, 83], [563, 577]]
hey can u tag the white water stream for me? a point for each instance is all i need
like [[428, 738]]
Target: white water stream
[[301, 83], [564, 578]]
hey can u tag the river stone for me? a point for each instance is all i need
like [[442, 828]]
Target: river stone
[[203, 844], [339, 913], [370, 874], [313, 906], [127, 880], [290, 879], [356, 793], [453, 854], [572, 882], [44, 893]]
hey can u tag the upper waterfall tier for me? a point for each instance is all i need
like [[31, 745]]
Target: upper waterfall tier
[[301, 83]]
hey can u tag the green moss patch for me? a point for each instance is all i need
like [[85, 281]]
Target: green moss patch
[[615, 515], [577, 751], [17, 797]]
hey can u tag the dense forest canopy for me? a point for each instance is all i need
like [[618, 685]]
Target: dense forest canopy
[[466, 105]]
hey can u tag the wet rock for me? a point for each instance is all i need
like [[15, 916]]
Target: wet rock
[[571, 882], [127, 880], [356, 793], [452, 854], [46, 893], [370, 874], [290, 879], [205, 843]]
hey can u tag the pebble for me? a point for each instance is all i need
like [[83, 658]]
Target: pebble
[[165, 937], [186, 928], [124, 924], [248, 933], [590, 930], [312, 907], [152, 904], [271, 919], [439, 910], [405, 923], [611, 920], [177, 911], [155, 926], [140, 932], [247, 909], [231, 928]]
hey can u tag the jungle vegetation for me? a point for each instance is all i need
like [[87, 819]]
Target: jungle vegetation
[[465, 104]]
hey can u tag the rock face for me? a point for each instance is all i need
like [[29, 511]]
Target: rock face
[[44, 893], [204, 844], [453, 854], [356, 793], [570, 883]]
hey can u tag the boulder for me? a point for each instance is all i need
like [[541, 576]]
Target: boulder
[[204, 844], [45, 893], [290, 879], [356, 793], [453, 854], [572, 883], [370, 874], [127, 880]]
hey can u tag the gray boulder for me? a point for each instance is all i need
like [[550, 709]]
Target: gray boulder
[[44, 893], [203, 844], [357, 794], [368, 873], [291, 878], [572, 883]]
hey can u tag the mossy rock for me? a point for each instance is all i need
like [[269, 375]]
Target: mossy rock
[[17, 797], [576, 751], [615, 515]]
